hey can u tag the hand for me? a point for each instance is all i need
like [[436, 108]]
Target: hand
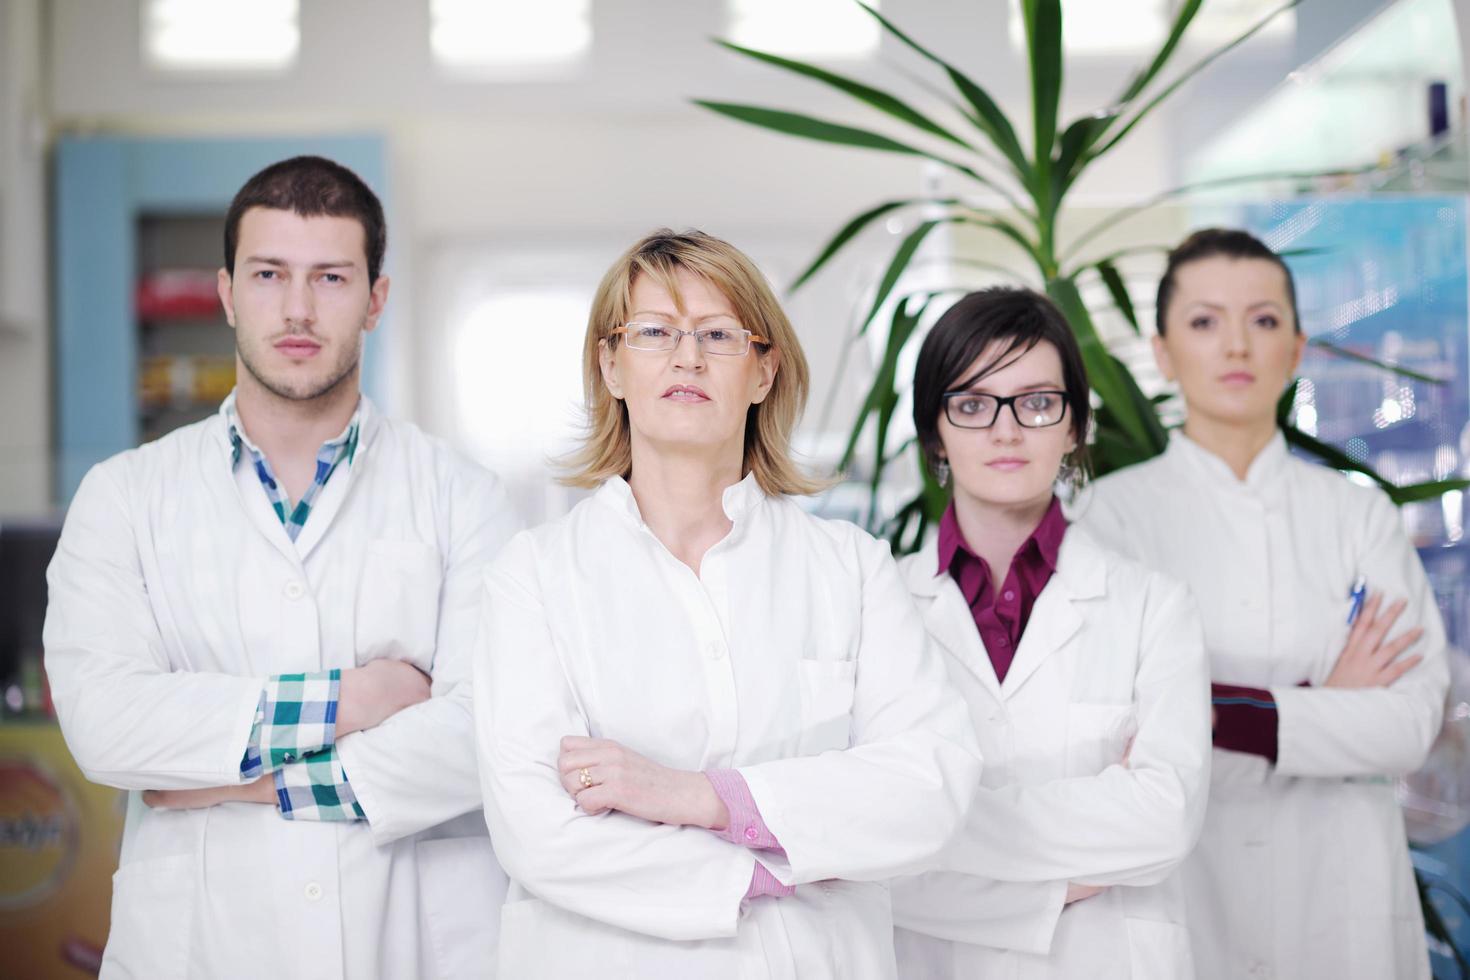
[[1366, 660], [263, 790], [1078, 893], [371, 694], [626, 781]]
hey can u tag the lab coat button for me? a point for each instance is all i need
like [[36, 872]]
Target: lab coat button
[[313, 892], [715, 650], [294, 589]]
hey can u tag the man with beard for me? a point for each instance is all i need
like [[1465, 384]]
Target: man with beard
[[261, 624]]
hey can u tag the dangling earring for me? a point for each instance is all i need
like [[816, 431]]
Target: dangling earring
[[1069, 475], [941, 472]]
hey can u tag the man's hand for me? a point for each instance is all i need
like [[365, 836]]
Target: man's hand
[[373, 693], [1367, 660], [263, 790], [621, 779]]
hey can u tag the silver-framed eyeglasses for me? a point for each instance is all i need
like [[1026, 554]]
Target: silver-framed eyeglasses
[[727, 341], [1031, 409]]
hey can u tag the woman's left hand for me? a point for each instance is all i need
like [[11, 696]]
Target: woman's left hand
[[623, 780]]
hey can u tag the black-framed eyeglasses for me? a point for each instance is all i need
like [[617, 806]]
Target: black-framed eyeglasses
[[1031, 409]]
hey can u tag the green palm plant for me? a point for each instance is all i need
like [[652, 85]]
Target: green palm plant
[[989, 155]]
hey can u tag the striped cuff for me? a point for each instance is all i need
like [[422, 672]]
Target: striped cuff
[[764, 884], [1245, 720], [316, 788], [746, 827]]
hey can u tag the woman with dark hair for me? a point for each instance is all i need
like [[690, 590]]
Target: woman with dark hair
[[1325, 644], [1084, 672]]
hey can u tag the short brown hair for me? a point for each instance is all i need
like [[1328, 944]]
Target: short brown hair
[[606, 449], [312, 187]]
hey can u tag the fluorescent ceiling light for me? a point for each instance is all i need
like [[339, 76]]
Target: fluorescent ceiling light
[[469, 35], [805, 28], [1222, 21], [1103, 28], [1125, 27], [221, 35]]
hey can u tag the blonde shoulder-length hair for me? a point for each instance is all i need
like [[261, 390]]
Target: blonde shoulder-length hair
[[606, 450]]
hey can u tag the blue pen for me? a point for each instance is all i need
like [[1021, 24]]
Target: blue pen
[[1356, 597]]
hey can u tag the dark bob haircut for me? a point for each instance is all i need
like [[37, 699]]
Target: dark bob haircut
[[1013, 321], [1208, 243], [313, 187]]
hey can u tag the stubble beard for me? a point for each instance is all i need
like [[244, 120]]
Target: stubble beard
[[341, 373]]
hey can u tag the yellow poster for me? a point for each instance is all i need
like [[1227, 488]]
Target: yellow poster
[[59, 837]]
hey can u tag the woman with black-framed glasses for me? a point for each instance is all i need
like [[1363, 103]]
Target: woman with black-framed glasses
[[1085, 675]]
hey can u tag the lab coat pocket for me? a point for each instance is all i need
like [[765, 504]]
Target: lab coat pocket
[[398, 603], [152, 913], [1158, 950], [826, 705], [1098, 736], [461, 888]]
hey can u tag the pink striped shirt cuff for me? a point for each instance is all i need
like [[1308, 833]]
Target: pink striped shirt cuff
[[747, 829]]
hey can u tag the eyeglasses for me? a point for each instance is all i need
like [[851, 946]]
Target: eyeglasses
[[731, 341], [1031, 409]]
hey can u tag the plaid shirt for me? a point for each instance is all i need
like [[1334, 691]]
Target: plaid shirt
[[295, 728]]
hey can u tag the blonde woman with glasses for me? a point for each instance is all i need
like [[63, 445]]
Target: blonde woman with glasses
[[709, 724]]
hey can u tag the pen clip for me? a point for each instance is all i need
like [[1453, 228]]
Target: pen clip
[[1355, 598]]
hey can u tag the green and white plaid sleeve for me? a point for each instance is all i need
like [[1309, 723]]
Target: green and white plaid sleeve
[[316, 788], [297, 716]]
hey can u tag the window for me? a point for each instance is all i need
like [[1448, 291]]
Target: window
[[517, 368], [486, 35], [221, 35], [832, 29]]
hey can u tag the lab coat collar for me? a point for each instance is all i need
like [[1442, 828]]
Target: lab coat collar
[[1262, 475], [1081, 576], [1081, 565], [738, 499], [325, 510], [368, 423]]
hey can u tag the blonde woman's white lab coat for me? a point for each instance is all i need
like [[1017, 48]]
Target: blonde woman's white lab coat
[[174, 594], [1302, 870], [795, 656], [1112, 657]]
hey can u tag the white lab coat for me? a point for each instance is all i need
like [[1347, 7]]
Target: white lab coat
[[795, 656], [1112, 654], [1302, 870], [175, 592]]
